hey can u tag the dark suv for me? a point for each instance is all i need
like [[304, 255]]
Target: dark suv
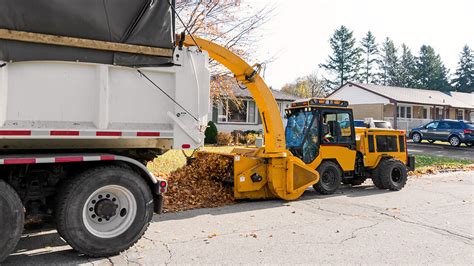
[[453, 131]]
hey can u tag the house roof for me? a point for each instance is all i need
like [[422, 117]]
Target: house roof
[[465, 97], [245, 93], [416, 96]]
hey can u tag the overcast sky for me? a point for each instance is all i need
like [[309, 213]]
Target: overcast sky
[[300, 30]]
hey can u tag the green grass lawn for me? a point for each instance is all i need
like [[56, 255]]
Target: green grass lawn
[[428, 160], [174, 159]]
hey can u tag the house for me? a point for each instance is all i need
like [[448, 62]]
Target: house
[[405, 108], [229, 116]]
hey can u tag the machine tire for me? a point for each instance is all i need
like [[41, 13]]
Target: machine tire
[[469, 144], [330, 178], [94, 196], [12, 219], [375, 175], [356, 181], [416, 137], [454, 141], [393, 174]]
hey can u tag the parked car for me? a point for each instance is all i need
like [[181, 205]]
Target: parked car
[[453, 131], [373, 124]]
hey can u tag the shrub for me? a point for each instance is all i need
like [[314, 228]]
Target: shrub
[[238, 137], [250, 138], [224, 138], [211, 133]]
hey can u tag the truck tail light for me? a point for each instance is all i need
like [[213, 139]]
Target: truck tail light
[[163, 184]]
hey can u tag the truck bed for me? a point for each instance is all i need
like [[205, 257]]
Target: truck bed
[[46, 104]]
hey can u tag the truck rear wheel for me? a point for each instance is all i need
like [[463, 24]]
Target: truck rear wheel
[[330, 178], [104, 211], [393, 174], [12, 218]]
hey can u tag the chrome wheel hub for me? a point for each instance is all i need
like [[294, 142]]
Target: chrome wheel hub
[[109, 211]]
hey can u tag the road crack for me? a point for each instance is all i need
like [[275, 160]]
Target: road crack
[[446, 231], [353, 233]]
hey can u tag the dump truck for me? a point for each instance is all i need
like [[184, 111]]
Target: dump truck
[[89, 93]]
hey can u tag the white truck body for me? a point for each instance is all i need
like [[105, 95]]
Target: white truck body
[[51, 104]]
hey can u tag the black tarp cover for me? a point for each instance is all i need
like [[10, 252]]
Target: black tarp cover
[[141, 22]]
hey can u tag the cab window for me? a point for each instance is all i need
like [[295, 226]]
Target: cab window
[[296, 128], [311, 143], [336, 128]]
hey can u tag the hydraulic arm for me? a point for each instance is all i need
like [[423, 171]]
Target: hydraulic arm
[[270, 171]]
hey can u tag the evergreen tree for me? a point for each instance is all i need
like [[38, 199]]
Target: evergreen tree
[[464, 77], [345, 61], [370, 50], [407, 73], [431, 72], [389, 64]]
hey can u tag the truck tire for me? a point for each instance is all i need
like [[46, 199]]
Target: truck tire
[[393, 174], [12, 219], [104, 211], [355, 181], [330, 178]]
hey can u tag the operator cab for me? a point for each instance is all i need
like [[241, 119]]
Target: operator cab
[[315, 122]]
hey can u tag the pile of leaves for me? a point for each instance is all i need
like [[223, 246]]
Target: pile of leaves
[[203, 183], [435, 169]]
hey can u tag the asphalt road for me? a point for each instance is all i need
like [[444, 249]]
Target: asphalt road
[[430, 221], [441, 150]]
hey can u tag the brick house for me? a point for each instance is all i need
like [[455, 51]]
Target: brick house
[[405, 108]]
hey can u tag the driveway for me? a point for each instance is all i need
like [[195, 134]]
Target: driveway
[[429, 221], [441, 150]]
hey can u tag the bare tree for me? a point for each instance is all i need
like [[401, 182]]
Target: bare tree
[[306, 87], [230, 23]]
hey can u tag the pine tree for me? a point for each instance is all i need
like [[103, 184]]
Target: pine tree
[[464, 76], [407, 72], [431, 72], [370, 50], [389, 64], [345, 61]]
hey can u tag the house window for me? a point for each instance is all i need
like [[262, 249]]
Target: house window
[[459, 115], [251, 112], [230, 112], [404, 111]]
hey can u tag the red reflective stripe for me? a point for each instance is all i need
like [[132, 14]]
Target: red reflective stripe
[[20, 161], [68, 159], [15, 132], [148, 134], [185, 146], [108, 133], [64, 133], [107, 158]]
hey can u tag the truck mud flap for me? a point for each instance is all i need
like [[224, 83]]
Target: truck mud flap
[[411, 163]]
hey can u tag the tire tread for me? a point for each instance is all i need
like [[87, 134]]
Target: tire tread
[[63, 198]]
